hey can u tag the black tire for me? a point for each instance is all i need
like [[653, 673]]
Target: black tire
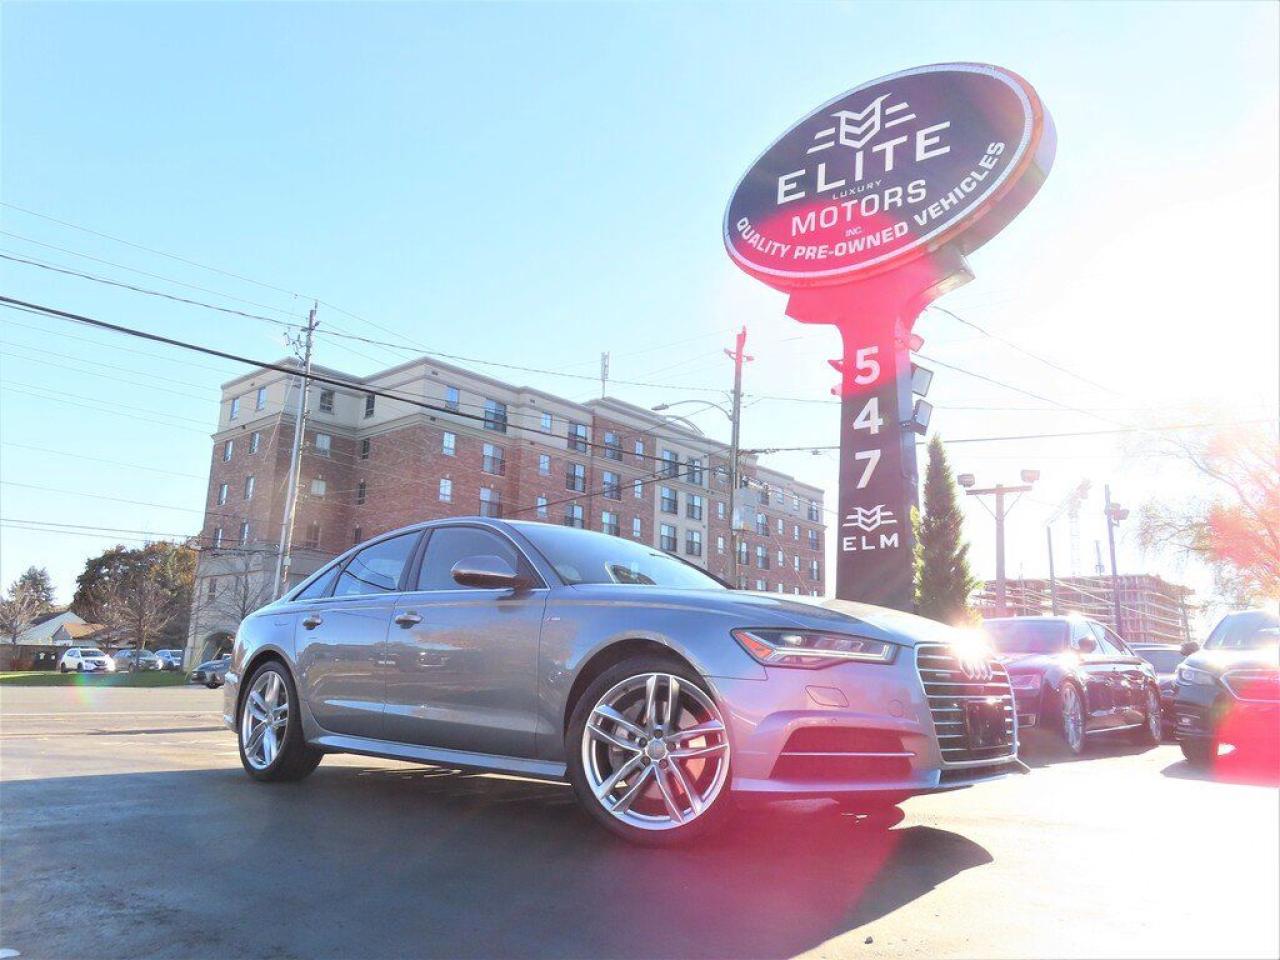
[[79, 668], [711, 819], [62, 668], [212, 686], [1200, 751], [1144, 735], [295, 759]]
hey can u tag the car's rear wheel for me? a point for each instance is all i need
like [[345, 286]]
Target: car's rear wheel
[[1152, 728], [79, 668], [1199, 752], [648, 752], [1072, 718], [62, 668], [272, 746]]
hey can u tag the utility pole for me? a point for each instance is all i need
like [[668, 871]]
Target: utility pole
[[739, 358], [604, 373], [295, 461], [1000, 491], [1115, 513], [1053, 581]]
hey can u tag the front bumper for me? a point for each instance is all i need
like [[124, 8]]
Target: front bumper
[[1211, 713], [852, 728]]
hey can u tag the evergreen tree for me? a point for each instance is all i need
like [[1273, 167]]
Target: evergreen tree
[[38, 583], [944, 583]]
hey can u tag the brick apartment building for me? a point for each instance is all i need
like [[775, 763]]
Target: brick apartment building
[[371, 463], [1151, 609]]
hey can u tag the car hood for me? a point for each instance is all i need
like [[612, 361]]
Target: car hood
[[754, 609], [1028, 662], [1218, 662]]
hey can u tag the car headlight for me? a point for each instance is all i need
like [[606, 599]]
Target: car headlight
[[1193, 677], [1025, 681], [811, 648]]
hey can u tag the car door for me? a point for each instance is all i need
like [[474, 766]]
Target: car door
[[341, 635], [1096, 666], [463, 660], [1129, 678]]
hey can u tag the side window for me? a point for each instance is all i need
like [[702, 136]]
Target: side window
[[448, 545], [376, 568], [1079, 630], [1105, 643], [319, 586]]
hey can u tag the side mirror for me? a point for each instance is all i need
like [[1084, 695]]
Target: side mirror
[[487, 572], [1189, 648], [1087, 644]]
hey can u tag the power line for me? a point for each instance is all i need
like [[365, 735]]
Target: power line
[[81, 456], [105, 376], [95, 406], [111, 346]]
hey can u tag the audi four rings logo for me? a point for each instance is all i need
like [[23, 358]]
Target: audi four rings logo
[[976, 668]]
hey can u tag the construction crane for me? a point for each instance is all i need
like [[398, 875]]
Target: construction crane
[[1071, 507]]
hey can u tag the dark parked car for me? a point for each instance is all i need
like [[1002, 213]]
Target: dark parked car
[[170, 659], [1165, 657], [1229, 691], [212, 673], [1076, 678]]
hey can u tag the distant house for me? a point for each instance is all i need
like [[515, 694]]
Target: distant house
[[70, 634], [41, 632]]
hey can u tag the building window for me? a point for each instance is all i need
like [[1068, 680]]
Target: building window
[[546, 422], [762, 557], [670, 464], [494, 461], [639, 449], [366, 445], [319, 487], [361, 492], [573, 515], [814, 511], [495, 416], [814, 542], [638, 489], [228, 447], [796, 532], [326, 401], [693, 543], [815, 570], [490, 503], [324, 444], [795, 502], [446, 490], [448, 443], [260, 401], [763, 496], [612, 486], [782, 526], [211, 588], [612, 446], [244, 532], [357, 535], [222, 494], [609, 523], [235, 408], [670, 501], [796, 564], [575, 477], [782, 559], [722, 474], [542, 508], [667, 538], [693, 508], [720, 509], [578, 437], [369, 402], [762, 525], [255, 441], [217, 539], [720, 545], [544, 465], [761, 586], [779, 498], [742, 553], [313, 536], [695, 472], [248, 487], [451, 398], [636, 530]]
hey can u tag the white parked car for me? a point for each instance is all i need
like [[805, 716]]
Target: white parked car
[[86, 660]]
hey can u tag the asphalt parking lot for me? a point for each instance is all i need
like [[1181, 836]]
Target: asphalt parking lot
[[127, 829]]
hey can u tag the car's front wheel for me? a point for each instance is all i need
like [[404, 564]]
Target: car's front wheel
[[1072, 718], [1152, 728], [648, 752], [272, 746], [1200, 751]]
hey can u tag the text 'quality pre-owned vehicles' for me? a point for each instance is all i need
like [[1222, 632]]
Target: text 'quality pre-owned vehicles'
[[655, 690], [1228, 693], [1075, 677]]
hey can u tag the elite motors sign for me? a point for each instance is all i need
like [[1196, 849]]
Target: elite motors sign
[[864, 212], [892, 169]]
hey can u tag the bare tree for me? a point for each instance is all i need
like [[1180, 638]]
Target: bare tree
[[141, 604], [243, 585], [19, 610]]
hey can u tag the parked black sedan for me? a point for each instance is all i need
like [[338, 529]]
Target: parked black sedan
[[1165, 657], [1076, 678], [1229, 691]]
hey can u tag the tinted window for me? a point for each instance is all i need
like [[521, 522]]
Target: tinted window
[[1165, 661], [377, 568], [448, 545], [1243, 630], [1027, 636], [1105, 644], [583, 557], [319, 586]]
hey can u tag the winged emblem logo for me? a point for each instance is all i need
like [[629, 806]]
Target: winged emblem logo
[[857, 128], [871, 519]]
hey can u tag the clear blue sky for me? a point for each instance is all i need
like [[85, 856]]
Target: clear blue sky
[[536, 183]]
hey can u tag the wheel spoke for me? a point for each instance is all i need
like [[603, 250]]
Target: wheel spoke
[[700, 730], [623, 803], [671, 712], [606, 711], [269, 745], [686, 788], [650, 695], [255, 739], [673, 808], [688, 753], [624, 771], [257, 707], [602, 734]]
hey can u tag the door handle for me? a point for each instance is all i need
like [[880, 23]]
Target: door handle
[[408, 618], [312, 621]]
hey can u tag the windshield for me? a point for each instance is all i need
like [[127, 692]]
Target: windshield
[[1027, 636], [1165, 661], [580, 556], [1250, 630]]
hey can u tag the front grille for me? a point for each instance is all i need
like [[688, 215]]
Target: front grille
[[950, 692]]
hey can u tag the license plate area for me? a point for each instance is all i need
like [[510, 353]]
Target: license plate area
[[984, 724]]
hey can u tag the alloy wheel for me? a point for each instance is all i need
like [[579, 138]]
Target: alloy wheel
[[655, 751], [1072, 719], [1155, 725], [264, 719]]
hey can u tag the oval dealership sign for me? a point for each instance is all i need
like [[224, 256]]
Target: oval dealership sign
[[888, 171]]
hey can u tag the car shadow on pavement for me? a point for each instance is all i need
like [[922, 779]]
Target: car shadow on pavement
[[1255, 769], [363, 861], [1044, 749]]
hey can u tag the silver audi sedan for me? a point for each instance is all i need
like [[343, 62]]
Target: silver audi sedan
[[658, 693]]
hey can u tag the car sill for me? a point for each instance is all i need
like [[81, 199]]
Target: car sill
[[339, 743]]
